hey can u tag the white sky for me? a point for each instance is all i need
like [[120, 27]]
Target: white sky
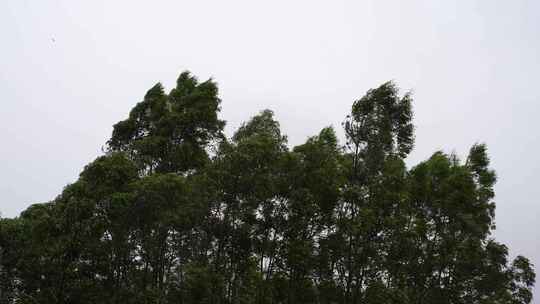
[[70, 69]]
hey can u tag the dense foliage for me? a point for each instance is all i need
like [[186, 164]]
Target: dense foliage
[[175, 212]]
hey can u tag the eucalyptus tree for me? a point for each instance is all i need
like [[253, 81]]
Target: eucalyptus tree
[[313, 180], [379, 135], [171, 132], [446, 251], [175, 212]]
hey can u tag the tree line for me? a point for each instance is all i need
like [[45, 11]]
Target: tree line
[[176, 212]]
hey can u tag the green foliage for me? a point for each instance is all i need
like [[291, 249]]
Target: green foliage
[[169, 133], [159, 219]]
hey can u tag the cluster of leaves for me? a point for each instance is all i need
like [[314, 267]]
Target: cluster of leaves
[[174, 212]]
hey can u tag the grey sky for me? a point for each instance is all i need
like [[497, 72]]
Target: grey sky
[[71, 69]]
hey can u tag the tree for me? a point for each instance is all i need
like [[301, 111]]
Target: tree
[[175, 212], [170, 133], [379, 135]]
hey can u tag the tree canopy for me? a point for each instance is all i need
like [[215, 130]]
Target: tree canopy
[[176, 212]]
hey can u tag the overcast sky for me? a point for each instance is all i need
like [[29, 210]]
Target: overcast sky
[[70, 69]]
